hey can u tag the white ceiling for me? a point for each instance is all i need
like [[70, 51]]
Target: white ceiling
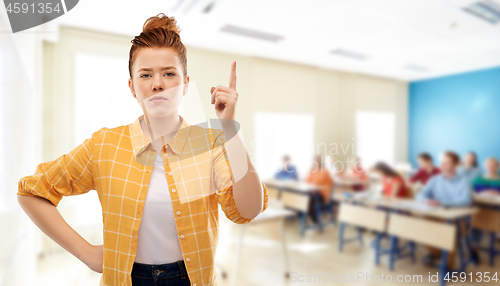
[[433, 34]]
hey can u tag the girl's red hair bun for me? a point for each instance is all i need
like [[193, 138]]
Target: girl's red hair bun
[[161, 21]]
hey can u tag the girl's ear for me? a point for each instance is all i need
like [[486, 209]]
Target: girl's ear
[[186, 85], [131, 86]]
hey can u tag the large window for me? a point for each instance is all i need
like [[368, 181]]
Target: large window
[[102, 95], [277, 134], [375, 136]]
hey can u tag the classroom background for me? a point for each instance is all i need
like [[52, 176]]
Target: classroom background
[[341, 105]]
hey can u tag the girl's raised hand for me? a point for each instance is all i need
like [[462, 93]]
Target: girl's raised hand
[[225, 98]]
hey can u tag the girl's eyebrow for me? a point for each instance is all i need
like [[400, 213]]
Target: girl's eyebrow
[[163, 68]]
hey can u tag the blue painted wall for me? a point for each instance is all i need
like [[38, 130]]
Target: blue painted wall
[[459, 112]]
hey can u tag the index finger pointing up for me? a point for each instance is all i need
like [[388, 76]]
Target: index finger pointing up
[[232, 76]]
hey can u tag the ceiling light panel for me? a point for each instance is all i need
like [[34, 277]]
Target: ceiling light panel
[[488, 11], [349, 54], [256, 34]]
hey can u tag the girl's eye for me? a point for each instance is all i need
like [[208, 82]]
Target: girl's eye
[[170, 74]]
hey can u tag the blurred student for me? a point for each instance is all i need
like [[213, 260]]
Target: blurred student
[[331, 166], [490, 182], [426, 169], [287, 171], [358, 173], [470, 167], [392, 183], [318, 175], [448, 189]]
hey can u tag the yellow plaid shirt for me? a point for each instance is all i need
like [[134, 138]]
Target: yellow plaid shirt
[[118, 162]]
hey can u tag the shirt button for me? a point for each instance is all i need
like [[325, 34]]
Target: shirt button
[[170, 173], [187, 259], [182, 236], [166, 155], [178, 213], [173, 190]]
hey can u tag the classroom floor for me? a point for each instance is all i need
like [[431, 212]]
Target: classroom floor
[[262, 263]]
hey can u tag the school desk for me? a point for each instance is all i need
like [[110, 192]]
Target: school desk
[[488, 220]]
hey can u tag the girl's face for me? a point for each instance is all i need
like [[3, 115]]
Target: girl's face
[[158, 72], [491, 167]]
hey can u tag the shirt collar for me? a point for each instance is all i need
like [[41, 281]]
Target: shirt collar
[[140, 142], [455, 177]]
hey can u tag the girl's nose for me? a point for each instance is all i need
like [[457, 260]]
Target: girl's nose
[[157, 85]]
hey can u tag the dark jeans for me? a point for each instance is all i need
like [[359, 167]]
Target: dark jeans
[[172, 274], [477, 236], [312, 205]]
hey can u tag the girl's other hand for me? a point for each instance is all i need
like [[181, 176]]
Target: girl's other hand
[[94, 258]]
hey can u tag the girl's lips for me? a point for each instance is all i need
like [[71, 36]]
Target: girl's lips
[[158, 100]]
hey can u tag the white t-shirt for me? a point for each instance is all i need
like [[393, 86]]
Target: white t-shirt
[[158, 241]]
